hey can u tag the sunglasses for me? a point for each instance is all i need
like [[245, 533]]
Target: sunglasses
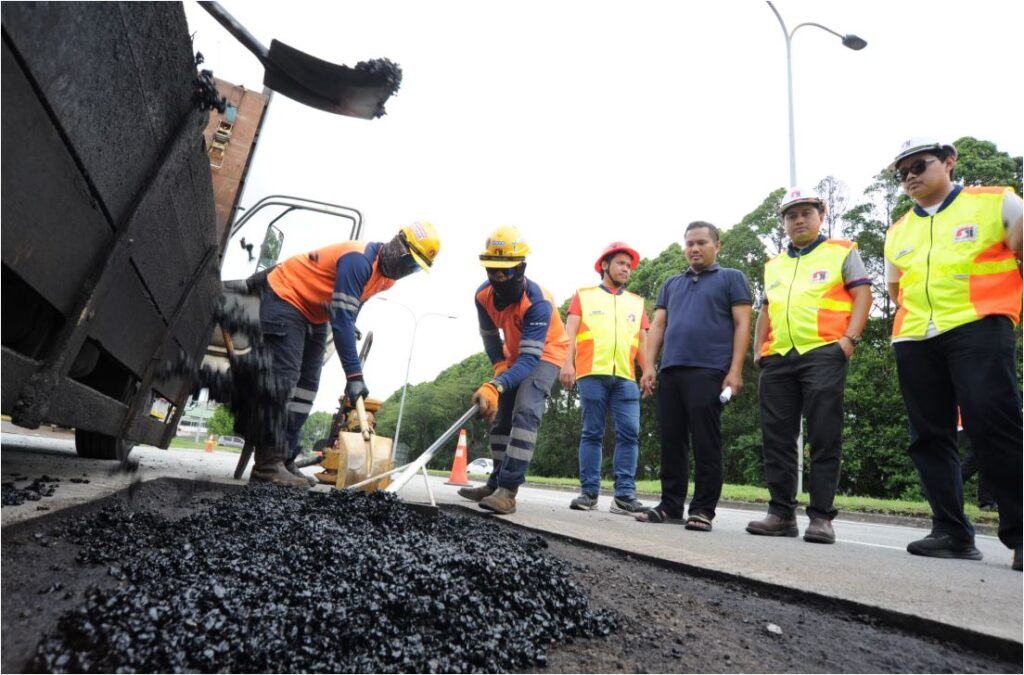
[[499, 273], [917, 168], [409, 263]]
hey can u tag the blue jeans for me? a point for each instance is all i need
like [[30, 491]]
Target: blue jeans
[[598, 393]]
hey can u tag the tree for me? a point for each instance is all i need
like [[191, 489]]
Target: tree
[[222, 423], [981, 163], [316, 427], [834, 193]]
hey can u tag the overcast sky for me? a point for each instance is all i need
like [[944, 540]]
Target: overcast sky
[[584, 122]]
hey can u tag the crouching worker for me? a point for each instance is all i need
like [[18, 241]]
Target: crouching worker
[[526, 365], [306, 296]]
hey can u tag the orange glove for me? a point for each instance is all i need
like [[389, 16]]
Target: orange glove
[[500, 367], [487, 398]]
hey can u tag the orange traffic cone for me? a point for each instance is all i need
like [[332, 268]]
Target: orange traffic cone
[[210, 443], [458, 475]]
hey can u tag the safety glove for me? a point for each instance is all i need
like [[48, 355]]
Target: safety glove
[[487, 398], [500, 367], [355, 387]]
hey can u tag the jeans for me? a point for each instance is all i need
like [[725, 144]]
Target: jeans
[[598, 393], [811, 384], [971, 366], [297, 350], [514, 433]]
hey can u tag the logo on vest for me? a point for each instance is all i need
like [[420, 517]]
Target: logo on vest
[[965, 233], [631, 318], [819, 276]]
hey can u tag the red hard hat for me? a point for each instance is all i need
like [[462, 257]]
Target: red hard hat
[[617, 247]]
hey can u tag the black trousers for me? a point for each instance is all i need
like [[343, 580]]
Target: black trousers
[[811, 385], [969, 467], [973, 366], [688, 405]]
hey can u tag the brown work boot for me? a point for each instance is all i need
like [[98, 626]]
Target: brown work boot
[[773, 526], [820, 531], [503, 501], [269, 468], [476, 493], [294, 470]]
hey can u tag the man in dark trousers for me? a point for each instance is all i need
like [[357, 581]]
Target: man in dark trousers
[[702, 317]]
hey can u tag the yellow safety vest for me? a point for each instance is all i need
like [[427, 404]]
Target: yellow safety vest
[[609, 334], [955, 266], [808, 303]]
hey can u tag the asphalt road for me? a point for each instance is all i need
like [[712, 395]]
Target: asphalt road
[[868, 564]]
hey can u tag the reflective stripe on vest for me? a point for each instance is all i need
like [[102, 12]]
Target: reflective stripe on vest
[[808, 305], [955, 266], [609, 335], [307, 281]]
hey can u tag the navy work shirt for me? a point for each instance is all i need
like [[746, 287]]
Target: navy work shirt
[[698, 307]]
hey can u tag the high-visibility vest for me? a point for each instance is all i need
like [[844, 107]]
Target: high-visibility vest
[[510, 321], [609, 334], [955, 266], [307, 280], [808, 303]]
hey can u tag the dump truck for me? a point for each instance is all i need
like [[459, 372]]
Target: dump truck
[[120, 191]]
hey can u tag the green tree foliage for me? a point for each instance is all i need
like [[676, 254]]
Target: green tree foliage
[[316, 427], [222, 423]]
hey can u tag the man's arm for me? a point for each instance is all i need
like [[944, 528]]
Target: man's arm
[[531, 344], [654, 339], [762, 327], [858, 317], [568, 374], [1013, 220], [641, 351], [490, 335], [352, 274], [741, 314]]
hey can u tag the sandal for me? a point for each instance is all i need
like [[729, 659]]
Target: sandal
[[656, 514], [698, 522]]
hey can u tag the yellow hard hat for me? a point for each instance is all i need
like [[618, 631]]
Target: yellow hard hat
[[424, 244], [504, 248]]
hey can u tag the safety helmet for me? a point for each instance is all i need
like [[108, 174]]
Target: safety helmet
[[505, 248], [917, 144], [617, 247], [797, 195], [423, 242]]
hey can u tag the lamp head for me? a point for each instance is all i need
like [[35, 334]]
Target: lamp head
[[854, 42]]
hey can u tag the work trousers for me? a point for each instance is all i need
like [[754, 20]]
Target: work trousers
[[973, 366], [809, 385], [969, 467], [688, 405], [296, 349], [598, 395], [514, 433]]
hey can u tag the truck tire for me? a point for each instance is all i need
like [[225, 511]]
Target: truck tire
[[95, 445]]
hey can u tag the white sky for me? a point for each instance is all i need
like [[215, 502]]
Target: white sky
[[586, 121]]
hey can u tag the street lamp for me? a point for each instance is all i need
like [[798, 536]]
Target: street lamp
[[408, 364], [850, 41]]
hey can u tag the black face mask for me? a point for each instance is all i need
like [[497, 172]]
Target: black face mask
[[395, 260], [509, 292]]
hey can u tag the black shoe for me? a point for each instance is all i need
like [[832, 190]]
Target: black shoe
[[1016, 564], [585, 502], [627, 506], [944, 546]]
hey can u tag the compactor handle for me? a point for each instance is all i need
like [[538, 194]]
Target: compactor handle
[[364, 426]]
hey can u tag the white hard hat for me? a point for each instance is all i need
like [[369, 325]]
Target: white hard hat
[[917, 144], [797, 195]]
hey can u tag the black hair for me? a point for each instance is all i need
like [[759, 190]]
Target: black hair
[[697, 224]]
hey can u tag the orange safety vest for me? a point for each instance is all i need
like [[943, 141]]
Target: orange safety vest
[[307, 280], [510, 321], [955, 266], [609, 335], [808, 303]]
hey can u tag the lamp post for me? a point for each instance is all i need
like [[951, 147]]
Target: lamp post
[[408, 364], [850, 41]]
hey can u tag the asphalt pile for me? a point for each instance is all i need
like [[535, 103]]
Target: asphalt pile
[[272, 579], [12, 495]]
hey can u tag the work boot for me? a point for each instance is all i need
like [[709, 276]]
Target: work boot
[[294, 470], [820, 531], [503, 501], [269, 468], [944, 546], [773, 526], [476, 493], [1016, 564]]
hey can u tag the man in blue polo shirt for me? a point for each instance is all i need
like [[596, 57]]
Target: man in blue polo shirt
[[703, 318]]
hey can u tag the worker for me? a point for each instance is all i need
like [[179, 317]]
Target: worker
[[306, 296], [526, 364], [817, 296], [951, 266], [607, 330], [702, 316]]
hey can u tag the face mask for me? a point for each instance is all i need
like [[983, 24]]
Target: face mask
[[509, 291], [395, 260]]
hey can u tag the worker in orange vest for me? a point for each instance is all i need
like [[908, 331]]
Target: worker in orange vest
[[952, 267], [607, 330], [526, 364], [306, 296]]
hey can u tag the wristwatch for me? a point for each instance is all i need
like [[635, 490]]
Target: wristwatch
[[855, 339], [499, 386]]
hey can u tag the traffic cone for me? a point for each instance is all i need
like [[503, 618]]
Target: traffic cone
[[210, 443], [458, 475]]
